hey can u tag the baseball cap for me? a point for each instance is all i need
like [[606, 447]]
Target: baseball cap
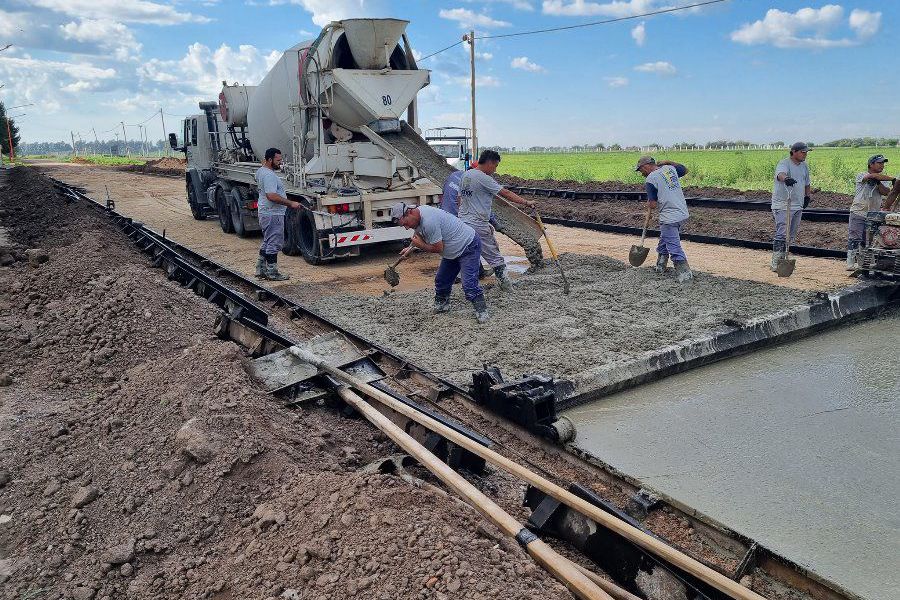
[[799, 147], [644, 160], [398, 210], [878, 158]]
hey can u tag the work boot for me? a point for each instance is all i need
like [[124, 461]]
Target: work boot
[[778, 254], [441, 304], [481, 311], [482, 272], [682, 271], [503, 278], [661, 261], [273, 274], [261, 267], [852, 252]]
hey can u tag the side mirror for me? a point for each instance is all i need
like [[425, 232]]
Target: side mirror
[[173, 141]]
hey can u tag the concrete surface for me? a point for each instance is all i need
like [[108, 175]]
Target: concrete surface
[[795, 446]]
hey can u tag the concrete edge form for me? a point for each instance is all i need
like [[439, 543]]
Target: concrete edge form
[[830, 309]]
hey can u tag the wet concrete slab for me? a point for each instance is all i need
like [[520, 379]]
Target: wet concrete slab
[[797, 447]]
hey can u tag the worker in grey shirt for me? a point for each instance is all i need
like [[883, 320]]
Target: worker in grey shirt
[[870, 190], [272, 205], [791, 191], [664, 191], [440, 232], [476, 199]]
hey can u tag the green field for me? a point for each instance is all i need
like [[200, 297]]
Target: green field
[[111, 160], [831, 169]]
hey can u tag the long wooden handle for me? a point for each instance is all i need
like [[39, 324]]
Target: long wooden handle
[[402, 258], [550, 245], [646, 223], [646, 541], [607, 586], [787, 225], [561, 568]]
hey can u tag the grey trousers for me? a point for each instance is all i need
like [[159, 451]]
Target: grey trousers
[[273, 234], [780, 217], [490, 251]]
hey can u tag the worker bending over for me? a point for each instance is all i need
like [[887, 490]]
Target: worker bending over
[[272, 206], [870, 188], [439, 232], [476, 199], [664, 190], [791, 191]]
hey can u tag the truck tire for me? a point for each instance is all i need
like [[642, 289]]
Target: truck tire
[[307, 239], [237, 219], [224, 211], [197, 210], [291, 228]]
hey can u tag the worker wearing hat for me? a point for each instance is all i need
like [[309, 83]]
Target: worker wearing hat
[[791, 191], [664, 191], [439, 232], [272, 206], [870, 187]]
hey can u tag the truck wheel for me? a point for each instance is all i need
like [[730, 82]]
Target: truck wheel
[[308, 241], [224, 212], [198, 211], [237, 220]]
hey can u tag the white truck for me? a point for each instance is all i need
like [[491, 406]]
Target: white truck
[[452, 143], [333, 106]]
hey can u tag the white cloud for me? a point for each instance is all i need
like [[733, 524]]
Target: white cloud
[[659, 67], [517, 4], [478, 55], [480, 81], [470, 19], [639, 33], [131, 11], [616, 82], [808, 28], [325, 11], [866, 24], [583, 8], [522, 63], [202, 70], [108, 35]]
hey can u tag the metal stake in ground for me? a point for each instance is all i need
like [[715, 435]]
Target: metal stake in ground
[[785, 266], [553, 253], [638, 254]]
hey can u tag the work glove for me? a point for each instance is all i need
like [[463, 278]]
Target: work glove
[[789, 181], [872, 181], [806, 201]]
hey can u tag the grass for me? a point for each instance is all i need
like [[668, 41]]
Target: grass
[[111, 160], [831, 169]]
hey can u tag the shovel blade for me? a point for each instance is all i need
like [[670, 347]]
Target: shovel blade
[[785, 267], [392, 276], [637, 255]]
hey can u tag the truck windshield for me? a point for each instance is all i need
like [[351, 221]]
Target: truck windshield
[[447, 150]]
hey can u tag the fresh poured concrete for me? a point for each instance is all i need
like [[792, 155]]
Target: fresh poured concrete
[[797, 447]]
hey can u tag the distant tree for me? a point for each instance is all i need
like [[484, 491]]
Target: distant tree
[[4, 136], [615, 147]]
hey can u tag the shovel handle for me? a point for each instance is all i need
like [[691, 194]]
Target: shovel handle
[[404, 257], [646, 223], [550, 245]]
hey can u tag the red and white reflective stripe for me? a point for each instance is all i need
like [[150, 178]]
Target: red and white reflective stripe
[[355, 238]]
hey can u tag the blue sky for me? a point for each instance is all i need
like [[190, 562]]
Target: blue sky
[[759, 70]]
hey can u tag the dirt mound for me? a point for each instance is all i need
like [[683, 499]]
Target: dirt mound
[[166, 165], [139, 461]]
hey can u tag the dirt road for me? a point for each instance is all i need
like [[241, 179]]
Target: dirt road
[[160, 202]]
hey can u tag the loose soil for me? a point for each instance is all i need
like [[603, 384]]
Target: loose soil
[[160, 166], [139, 461], [613, 314]]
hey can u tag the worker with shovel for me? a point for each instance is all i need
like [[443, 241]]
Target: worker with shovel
[[439, 232], [664, 191], [870, 188], [476, 199], [790, 195], [272, 206]]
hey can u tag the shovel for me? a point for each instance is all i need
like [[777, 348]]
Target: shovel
[[638, 254], [785, 266], [553, 253], [391, 275]]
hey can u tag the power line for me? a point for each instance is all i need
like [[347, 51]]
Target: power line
[[439, 51], [604, 22]]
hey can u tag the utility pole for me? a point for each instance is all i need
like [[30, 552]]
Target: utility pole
[[141, 136], [470, 37], [124, 135], [12, 151], [74, 149], [96, 141], [165, 135]]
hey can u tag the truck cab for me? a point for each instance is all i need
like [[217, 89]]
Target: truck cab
[[452, 143]]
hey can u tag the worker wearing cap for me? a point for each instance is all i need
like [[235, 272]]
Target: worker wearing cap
[[476, 200], [439, 232], [272, 205], [791, 191], [664, 191], [870, 187]]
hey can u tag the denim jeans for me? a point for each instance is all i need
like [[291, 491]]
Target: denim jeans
[[670, 241], [468, 263]]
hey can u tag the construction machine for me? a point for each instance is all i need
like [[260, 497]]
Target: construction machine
[[881, 256], [333, 106], [453, 143]]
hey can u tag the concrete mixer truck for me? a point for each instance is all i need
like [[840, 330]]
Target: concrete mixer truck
[[333, 106]]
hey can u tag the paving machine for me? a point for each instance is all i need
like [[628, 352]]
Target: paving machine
[[333, 106], [881, 256]]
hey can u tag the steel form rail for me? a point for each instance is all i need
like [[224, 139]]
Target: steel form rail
[[818, 215], [799, 577]]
